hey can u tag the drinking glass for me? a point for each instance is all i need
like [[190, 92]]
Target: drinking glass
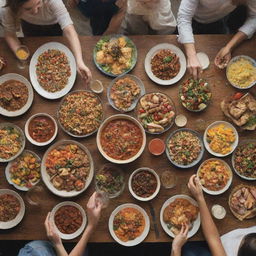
[[22, 54], [34, 196], [102, 198], [168, 179]]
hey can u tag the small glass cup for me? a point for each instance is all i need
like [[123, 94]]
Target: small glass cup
[[34, 196], [96, 86], [22, 54], [168, 179], [102, 198]]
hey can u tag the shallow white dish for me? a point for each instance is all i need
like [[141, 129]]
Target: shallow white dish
[[20, 215], [218, 192], [102, 126], [80, 230], [157, 188], [46, 177], [136, 240], [22, 79], [196, 223], [233, 146], [156, 49], [33, 76], [30, 139]]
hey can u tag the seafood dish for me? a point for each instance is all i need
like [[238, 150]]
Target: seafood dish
[[178, 212], [128, 224], [80, 113], [110, 179], [242, 202], [121, 139], [155, 112], [115, 55], [240, 108], [165, 64], [124, 92], [68, 219], [9, 207], [24, 171], [53, 70], [13, 95], [68, 166], [244, 160], [214, 174], [184, 148], [195, 94]]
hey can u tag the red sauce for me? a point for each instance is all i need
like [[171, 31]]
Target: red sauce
[[41, 128], [156, 146]]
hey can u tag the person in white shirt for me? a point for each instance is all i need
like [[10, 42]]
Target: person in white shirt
[[206, 12], [149, 17], [42, 18]]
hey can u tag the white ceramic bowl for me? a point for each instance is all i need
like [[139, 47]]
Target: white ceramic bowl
[[126, 117], [218, 192], [30, 139], [138, 239], [80, 230], [20, 215], [22, 79], [227, 125], [157, 188]]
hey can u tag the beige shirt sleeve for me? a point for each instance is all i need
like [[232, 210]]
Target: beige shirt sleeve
[[8, 20]]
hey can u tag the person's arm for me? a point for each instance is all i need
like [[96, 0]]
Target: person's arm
[[12, 40], [70, 34], [117, 19], [184, 22], [209, 228]]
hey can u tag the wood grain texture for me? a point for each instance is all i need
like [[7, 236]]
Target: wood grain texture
[[32, 226]]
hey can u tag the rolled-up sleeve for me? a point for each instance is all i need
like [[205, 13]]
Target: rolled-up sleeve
[[60, 12], [8, 20], [249, 27], [184, 20]]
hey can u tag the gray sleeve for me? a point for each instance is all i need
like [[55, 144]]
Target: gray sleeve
[[8, 20], [184, 21]]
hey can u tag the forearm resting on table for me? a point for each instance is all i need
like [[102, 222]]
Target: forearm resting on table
[[236, 40], [12, 40], [210, 230]]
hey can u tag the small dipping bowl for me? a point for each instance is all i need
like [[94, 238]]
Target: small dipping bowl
[[218, 211], [181, 120], [156, 147], [96, 86]]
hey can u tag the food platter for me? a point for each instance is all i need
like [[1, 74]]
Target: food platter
[[52, 176], [19, 94], [153, 51], [124, 92], [139, 238], [196, 223], [68, 215], [109, 51], [18, 218], [69, 80]]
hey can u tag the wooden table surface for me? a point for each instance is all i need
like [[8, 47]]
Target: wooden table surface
[[32, 226]]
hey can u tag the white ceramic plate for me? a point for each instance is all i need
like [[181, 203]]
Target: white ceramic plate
[[196, 223], [157, 188], [218, 192], [32, 70], [8, 167], [34, 141], [22, 79], [156, 49], [80, 230], [22, 140], [20, 215], [140, 238], [46, 177], [126, 117], [227, 125]]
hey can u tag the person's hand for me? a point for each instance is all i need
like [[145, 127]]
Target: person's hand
[[194, 66], [93, 211], [51, 232], [222, 58], [84, 72], [72, 3], [195, 187], [181, 238]]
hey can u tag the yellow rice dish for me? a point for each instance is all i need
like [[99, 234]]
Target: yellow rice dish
[[241, 73]]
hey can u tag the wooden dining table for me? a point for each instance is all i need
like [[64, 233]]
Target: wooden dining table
[[32, 225]]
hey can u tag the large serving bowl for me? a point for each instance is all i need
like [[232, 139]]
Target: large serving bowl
[[121, 129], [56, 165]]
